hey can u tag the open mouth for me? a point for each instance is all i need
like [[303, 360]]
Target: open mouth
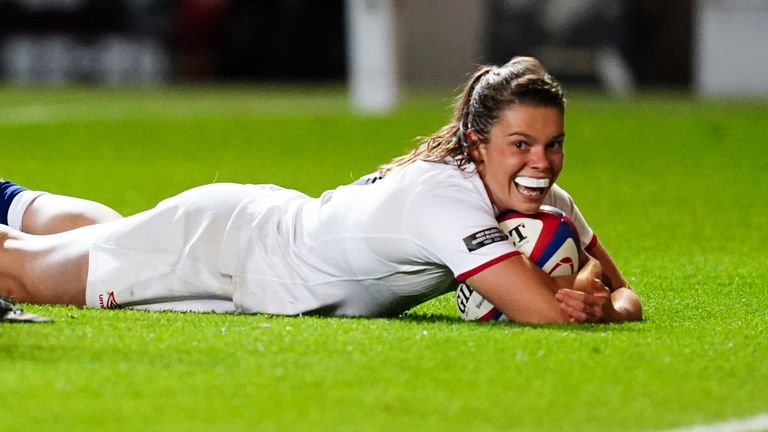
[[531, 186]]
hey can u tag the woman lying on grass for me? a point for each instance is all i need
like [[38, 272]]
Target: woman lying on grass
[[377, 247]]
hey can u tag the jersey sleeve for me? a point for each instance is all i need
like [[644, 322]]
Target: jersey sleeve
[[457, 228], [560, 199]]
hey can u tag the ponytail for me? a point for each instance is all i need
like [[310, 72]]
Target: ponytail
[[487, 93]]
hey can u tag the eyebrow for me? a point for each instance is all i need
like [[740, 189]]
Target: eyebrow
[[529, 136]]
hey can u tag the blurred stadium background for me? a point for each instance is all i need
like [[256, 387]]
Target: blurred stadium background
[[709, 47]]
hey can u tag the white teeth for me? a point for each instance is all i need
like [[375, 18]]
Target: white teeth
[[532, 182], [529, 192]]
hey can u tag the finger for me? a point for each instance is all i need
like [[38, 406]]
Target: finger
[[586, 297], [594, 309], [597, 307], [594, 300], [577, 297], [575, 304], [581, 310], [599, 288], [560, 295], [570, 293], [582, 284], [575, 315], [583, 307]]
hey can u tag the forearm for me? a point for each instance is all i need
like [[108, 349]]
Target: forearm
[[521, 290], [626, 303], [611, 276]]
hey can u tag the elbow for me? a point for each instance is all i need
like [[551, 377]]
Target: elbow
[[627, 304]]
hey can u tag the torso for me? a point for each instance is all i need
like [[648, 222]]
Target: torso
[[374, 250]]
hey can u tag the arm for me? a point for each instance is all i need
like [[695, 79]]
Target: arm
[[625, 300], [600, 293], [525, 294], [611, 276], [521, 290]]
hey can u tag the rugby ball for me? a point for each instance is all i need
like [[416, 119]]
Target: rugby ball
[[548, 238]]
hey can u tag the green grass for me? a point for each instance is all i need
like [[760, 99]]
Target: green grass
[[676, 188]]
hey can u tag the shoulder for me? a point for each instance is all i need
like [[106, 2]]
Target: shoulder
[[558, 193], [445, 183], [455, 196], [439, 176], [558, 197], [423, 188]]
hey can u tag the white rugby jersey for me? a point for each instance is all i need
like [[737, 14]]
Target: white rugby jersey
[[374, 250]]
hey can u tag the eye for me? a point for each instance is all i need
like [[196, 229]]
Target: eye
[[520, 144], [555, 145]]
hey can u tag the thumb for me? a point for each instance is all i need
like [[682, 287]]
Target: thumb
[[584, 284], [599, 288]]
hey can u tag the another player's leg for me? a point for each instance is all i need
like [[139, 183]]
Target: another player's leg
[[37, 212]]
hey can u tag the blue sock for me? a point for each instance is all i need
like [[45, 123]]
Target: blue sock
[[8, 192]]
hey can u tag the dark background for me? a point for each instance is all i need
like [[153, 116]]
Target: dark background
[[279, 40]]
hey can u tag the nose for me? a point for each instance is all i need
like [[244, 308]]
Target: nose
[[538, 158]]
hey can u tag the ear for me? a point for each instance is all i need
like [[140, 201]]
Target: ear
[[475, 150]]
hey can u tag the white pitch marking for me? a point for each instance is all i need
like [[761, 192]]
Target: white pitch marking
[[755, 423]]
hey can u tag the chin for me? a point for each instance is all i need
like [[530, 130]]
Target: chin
[[526, 207], [528, 210]]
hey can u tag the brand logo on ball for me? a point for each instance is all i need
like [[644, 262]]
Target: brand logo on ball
[[516, 235], [463, 293], [566, 263], [474, 307], [523, 232]]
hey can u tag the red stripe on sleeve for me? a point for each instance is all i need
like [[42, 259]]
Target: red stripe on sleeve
[[467, 274], [592, 243]]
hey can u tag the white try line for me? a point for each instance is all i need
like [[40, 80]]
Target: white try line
[[750, 424]]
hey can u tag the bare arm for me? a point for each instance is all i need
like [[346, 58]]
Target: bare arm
[[526, 294], [625, 300], [612, 277], [600, 293], [521, 290]]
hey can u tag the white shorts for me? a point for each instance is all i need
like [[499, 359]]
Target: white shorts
[[167, 258]]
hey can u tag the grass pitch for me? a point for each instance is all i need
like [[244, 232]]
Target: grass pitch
[[676, 188]]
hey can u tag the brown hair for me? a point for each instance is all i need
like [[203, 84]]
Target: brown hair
[[522, 80]]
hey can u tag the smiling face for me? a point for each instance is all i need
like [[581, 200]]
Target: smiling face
[[522, 156]]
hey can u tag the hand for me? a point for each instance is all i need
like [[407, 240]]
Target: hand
[[584, 278], [590, 302]]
